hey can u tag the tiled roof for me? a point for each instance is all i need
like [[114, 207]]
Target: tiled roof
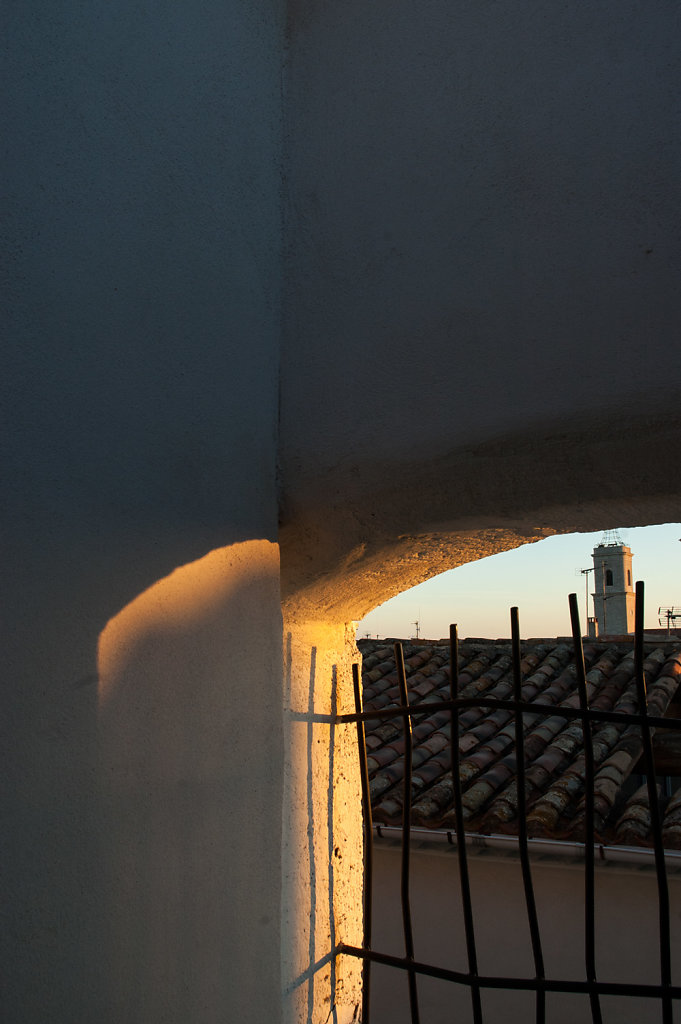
[[555, 761]]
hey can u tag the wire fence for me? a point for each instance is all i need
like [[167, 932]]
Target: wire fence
[[665, 992]]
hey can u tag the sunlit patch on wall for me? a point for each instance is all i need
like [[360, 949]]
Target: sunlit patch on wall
[[192, 595]]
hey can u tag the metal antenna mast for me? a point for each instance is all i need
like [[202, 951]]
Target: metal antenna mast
[[585, 574]]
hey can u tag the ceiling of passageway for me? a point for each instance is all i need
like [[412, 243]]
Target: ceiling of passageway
[[354, 538]]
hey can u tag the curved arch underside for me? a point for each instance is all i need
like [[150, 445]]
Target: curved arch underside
[[362, 533]]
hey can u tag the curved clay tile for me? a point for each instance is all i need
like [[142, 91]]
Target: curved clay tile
[[430, 771], [613, 688], [479, 794], [420, 687], [659, 696], [608, 780], [627, 751], [539, 738], [483, 758], [384, 779], [619, 765], [389, 812], [671, 826], [385, 731], [496, 785], [602, 746], [468, 673], [547, 811], [379, 700], [472, 687], [504, 810], [553, 745], [414, 661], [429, 808], [633, 827], [545, 816], [378, 759]]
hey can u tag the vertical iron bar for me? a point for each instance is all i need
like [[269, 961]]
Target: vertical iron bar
[[460, 834], [368, 846], [406, 830], [522, 818], [589, 880], [656, 829]]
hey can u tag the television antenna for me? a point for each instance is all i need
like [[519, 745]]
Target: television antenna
[[610, 538], [669, 616]]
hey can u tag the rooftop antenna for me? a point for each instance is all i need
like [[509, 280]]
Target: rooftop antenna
[[669, 617], [611, 538], [418, 629], [585, 574]]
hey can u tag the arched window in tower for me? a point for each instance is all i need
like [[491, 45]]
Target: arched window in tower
[[628, 577], [608, 577]]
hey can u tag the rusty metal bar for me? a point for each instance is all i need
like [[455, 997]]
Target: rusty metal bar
[[464, 880], [497, 703], [655, 825], [530, 902], [368, 847], [604, 988], [665, 992], [589, 875], [406, 829]]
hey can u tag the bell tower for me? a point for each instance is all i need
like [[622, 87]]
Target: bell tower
[[614, 597]]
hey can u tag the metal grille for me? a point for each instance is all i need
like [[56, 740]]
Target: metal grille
[[665, 992]]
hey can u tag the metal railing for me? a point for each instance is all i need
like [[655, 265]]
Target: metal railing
[[665, 991]]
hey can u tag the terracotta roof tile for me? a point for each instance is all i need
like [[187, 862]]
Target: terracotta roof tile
[[634, 825], [554, 753], [671, 828]]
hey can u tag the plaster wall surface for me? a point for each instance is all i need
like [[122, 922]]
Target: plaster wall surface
[[627, 936], [322, 873], [481, 279], [143, 227], [475, 223], [190, 797], [139, 397]]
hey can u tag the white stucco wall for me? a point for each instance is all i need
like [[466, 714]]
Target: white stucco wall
[[475, 221], [139, 399], [461, 176], [322, 825], [481, 292], [627, 936], [191, 797]]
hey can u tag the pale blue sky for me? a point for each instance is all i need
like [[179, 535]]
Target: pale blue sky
[[537, 577]]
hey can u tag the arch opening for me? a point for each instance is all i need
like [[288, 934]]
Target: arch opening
[[318, 617], [537, 578]]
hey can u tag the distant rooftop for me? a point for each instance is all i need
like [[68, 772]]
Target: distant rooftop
[[555, 760]]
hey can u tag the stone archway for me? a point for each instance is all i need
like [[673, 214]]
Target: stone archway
[[346, 556]]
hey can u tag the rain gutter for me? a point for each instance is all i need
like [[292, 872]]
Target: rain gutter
[[605, 854]]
